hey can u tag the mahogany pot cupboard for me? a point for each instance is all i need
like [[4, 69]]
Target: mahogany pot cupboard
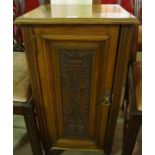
[[78, 57]]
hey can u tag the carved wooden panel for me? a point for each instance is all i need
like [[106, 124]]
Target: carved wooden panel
[[76, 74]]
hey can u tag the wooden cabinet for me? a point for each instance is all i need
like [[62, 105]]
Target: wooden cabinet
[[76, 68], [77, 57]]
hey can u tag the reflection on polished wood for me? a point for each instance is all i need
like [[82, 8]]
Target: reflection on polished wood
[[73, 14], [68, 2]]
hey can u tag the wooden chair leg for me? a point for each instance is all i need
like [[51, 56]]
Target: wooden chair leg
[[31, 125], [131, 134], [125, 122], [48, 152]]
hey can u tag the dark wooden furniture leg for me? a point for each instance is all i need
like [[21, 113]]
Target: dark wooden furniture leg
[[133, 108], [47, 152], [32, 129], [27, 110], [131, 134]]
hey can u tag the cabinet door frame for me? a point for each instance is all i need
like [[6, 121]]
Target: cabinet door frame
[[85, 37], [100, 43]]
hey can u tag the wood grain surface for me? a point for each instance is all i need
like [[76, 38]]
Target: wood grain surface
[[77, 14]]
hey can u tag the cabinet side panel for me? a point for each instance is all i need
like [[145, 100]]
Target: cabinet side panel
[[31, 51], [124, 48]]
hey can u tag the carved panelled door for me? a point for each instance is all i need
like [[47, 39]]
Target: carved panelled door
[[76, 68]]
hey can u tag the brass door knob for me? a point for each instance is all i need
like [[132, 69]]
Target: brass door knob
[[106, 98]]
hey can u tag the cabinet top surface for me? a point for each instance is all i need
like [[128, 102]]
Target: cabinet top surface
[[78, 14]]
